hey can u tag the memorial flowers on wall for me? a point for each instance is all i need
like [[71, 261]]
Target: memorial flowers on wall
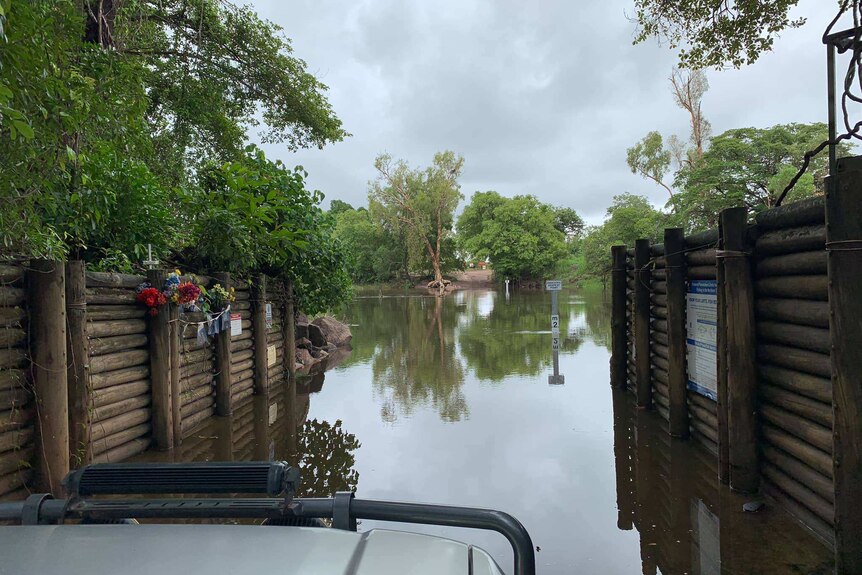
[[186, 294], [151, 297]]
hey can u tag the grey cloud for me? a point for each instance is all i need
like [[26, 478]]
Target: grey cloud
[[540, 97]]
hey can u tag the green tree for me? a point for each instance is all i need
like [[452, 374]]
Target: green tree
[[336, 207], [749, 167], [376, 254], [628, 218], [649, 159], [159, 89], [569, 222], [420, 202], [518, 235], [715, 34], [255, 215]]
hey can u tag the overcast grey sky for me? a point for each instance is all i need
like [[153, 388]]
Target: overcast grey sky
[[540, 97]]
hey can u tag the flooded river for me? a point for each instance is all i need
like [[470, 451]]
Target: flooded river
[[448, 401]]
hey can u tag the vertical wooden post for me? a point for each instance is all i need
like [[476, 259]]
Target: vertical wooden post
[[46, 281], [223, 359], [741, 366], [160, 368], [175, 335], [844, 244], [258, 326], [78, 359], [290, 331], [674, 250], [721, 369], [619, 347], [641, 317]]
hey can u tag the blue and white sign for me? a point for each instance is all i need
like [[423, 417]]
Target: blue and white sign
[[701, 329]]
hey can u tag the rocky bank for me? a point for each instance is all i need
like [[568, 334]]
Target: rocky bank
[[319, 339]]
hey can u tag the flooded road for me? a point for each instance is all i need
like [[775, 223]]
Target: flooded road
[[448, 401]]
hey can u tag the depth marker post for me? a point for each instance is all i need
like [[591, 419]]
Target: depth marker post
[[555, 286]]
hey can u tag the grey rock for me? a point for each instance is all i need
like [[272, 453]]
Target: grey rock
[[315, 334]]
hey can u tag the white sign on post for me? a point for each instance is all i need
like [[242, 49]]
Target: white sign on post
[[555, 324], [268, 316], [235, 324], [701, 328], [555, 343], [554, 285]]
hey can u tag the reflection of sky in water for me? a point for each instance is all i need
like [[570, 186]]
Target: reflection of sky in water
[[543, 453]]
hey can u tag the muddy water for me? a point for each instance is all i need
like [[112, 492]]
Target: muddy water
[[448, 401]]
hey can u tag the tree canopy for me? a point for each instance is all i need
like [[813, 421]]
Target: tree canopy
[[749, 167], [628, 218], [152, 91], [420, 203], [519, 235], [715, 34], [125, 126]]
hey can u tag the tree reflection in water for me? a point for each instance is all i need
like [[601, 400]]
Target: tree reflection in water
[[326, 458], [414, 361], [420, 348]]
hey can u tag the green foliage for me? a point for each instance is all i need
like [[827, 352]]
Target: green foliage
[[215, 68], [376, 255], [569, 222], [336, 207], [249, 216], [321, 272], [628, 218], [419, 205], [649, 159], [749, 167], [75, 99], [255, 215], [715, 34], [103, 131], [518, 235]]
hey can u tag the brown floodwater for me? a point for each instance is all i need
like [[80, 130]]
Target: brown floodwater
[[448, 401]]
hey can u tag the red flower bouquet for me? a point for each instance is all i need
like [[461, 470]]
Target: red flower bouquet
[[187, 293], [152, 298]]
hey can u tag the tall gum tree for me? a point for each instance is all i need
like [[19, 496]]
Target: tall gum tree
[[422, 202]]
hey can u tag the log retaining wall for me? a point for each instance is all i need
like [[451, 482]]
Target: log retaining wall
[[768, 425]]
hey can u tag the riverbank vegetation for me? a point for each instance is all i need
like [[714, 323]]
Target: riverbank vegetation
[[125, 127]]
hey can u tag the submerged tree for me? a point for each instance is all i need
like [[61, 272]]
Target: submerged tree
[[420, 202]]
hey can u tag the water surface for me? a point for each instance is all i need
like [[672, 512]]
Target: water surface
[[448, 401]]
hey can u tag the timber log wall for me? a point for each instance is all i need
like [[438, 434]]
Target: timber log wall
[[89, 376], [784, 371]]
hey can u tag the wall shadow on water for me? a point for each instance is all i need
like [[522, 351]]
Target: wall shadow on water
[[668, 490]]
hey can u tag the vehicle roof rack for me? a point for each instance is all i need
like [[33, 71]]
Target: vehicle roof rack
[[276, 479]]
